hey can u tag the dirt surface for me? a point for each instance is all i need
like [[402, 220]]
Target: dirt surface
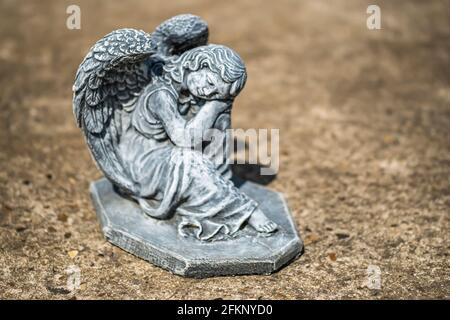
[[364, 120]]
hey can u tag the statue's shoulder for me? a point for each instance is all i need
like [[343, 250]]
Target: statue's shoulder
[[159, 86]]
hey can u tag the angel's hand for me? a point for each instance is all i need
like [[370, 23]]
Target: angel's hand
[[219, 106]]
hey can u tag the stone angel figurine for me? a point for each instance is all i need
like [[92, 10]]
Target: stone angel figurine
[[140, 100], [138, 97]]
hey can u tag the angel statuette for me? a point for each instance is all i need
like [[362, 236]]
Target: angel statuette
[[142, 100]]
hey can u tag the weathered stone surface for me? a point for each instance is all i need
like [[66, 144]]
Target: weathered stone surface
[[125, 225]]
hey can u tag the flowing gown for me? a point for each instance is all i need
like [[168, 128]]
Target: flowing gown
[[175, 179]]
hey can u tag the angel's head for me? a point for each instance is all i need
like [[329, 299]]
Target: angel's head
[[211, 72]]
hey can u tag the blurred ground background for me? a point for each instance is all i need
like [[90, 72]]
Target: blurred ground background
[[364, 120]]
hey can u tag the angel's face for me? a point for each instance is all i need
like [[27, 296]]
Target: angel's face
[[207, 85]]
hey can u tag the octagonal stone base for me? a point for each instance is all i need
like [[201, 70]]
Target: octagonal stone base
[[157, 241]]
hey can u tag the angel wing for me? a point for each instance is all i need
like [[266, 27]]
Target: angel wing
[[112, 76]]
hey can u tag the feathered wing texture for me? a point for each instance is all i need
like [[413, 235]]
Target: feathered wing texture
[[111, 77], [180, 33]]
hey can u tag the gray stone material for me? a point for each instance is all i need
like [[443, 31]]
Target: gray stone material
[[158, 241], [155, 110]]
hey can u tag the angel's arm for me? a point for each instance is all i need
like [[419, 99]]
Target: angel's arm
[[223, 123], [184, 133]]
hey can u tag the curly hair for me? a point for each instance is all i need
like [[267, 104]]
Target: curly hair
[[219, 59]]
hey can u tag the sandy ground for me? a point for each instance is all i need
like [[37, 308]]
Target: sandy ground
[[364, 120]]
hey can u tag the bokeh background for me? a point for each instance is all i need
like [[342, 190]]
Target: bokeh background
[[364, 119]]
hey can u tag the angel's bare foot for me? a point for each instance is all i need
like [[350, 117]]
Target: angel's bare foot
[[261, 223]]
